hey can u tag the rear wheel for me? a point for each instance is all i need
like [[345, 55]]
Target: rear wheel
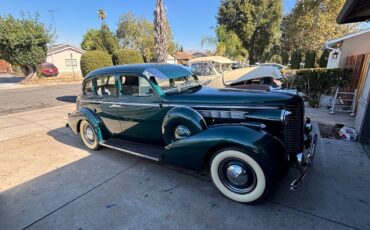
[[239, 176], [88, 135]]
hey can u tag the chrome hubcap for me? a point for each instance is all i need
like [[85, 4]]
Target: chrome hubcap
[[237, 175], [89, 134]]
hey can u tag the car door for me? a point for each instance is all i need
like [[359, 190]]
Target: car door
[[106, 102], [141, 112]]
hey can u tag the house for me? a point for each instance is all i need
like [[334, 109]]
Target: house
[[171, 59], [66, 58], [349, 45], [359, 60], [182, 57], [198, 54]]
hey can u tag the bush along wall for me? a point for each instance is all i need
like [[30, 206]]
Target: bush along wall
[[93, 60], [316, 82], [127, 56]]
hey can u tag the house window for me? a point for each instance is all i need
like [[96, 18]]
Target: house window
[[69, 62]]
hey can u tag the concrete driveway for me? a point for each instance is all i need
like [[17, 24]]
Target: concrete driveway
[[49, 180]]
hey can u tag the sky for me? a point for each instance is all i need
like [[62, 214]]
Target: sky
[[190, 20]]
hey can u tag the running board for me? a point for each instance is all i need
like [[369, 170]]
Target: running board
[[152, 152]]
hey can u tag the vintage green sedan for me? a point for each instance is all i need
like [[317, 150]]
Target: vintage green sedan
[[248, 139]]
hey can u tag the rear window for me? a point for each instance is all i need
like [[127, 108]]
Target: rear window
[[47, 65], [87, 89]]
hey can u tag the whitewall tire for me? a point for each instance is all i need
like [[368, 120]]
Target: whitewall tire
[[88, 135], [239, 176]]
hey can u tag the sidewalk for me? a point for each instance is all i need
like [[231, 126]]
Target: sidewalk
[[49, 180]]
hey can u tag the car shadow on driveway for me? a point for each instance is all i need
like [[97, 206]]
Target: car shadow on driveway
[[69, 99]]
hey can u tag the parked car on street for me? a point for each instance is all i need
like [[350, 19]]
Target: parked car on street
[[48, 69], [247, 139]]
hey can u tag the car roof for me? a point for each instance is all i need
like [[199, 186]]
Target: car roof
[[219, 59], [164, 71]]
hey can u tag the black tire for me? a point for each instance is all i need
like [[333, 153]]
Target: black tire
[[240, 176], [88, 135]]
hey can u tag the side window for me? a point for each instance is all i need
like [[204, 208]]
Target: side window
[[135, 86], [87, 89], [106, 86]]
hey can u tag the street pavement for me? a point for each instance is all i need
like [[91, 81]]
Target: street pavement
[[49, 180], [25, 98]]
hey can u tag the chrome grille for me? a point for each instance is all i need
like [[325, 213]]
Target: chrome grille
[[293, 132]]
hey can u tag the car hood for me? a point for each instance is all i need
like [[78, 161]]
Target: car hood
[[231, 96]]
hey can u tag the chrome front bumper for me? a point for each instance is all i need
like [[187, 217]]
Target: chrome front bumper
[[304, 164]]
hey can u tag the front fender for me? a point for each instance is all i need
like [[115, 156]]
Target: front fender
[[194, 151], [76, 117]]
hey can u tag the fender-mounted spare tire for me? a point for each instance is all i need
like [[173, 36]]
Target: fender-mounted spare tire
[[185, 119]]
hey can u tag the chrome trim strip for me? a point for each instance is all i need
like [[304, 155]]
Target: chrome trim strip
[[130, 152], [120, 103], [221, 106], [183, 105]]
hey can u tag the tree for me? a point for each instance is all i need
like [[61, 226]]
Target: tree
[[136, 33], [24, 42], [102, 39], [160, 33], [311, 23], [227, 44], [101, 14], [256, 23], [323, 61], [89, 40], [296, 59], [310, 59]]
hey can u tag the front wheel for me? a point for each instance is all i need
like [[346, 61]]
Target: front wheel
[[88, 135], [239, 176]]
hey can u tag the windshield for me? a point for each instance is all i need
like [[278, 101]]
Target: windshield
[[177, 85], [221, 67]]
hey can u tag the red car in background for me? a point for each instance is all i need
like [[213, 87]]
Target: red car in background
[[48, 69]]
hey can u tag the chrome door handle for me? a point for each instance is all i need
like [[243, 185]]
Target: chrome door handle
[[115, 106]]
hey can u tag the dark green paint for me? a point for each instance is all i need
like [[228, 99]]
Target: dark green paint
[[143, 122]]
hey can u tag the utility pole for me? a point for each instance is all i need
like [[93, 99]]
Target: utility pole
[[52, 13]]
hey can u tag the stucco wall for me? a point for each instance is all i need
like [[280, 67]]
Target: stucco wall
[[354, 46], [59, 60]]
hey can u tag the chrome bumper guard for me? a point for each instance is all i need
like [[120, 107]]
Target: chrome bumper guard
[[304, 163]]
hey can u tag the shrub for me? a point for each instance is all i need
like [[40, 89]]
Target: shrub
[[93, 60], [127, 56], [310, 59], [296, 59], [316, 82], [323, 61]]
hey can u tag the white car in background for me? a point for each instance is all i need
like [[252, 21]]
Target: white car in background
[[217, 72]]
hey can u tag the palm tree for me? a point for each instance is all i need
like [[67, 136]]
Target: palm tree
[[101, 14], [160, 33]]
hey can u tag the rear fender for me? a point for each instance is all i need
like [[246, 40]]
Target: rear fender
[[194, 152], [76, 117]]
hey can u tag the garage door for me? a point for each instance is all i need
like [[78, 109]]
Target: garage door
[[364, 107]]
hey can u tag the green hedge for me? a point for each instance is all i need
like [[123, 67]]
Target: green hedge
[[127, 56], [93, 60], [317, 81]]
